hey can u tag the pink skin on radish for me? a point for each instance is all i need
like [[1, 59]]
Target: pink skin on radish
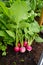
[[22, 49], [25, 43], [16, 49], [29, 48], [19, 44]]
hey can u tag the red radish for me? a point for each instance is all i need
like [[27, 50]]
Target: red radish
[[16, 49], [22, 49], [19, 44], [29, 48], [25, 43]]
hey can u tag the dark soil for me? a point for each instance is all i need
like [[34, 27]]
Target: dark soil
[[27, 58], [13, 58], [37, 49]]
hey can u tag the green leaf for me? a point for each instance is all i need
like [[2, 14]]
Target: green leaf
[[11, 33], [2, 33], [3, 22], [23, 24], [11, 26], [27, 31], [0, 43], [34, 27], [8, 40], [0, 10], [4, 53], [32, 14], [33, 4], [38, 39], [4, 8], [39, 4], [19, 10], [5, 36], [11, 1], [30, 32], [41, 28], [3, 48]]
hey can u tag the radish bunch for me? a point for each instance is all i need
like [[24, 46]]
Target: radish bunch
[[22, 49]]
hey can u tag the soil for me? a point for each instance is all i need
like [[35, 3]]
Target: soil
[[37, 49], [14, 58], [27, 58]]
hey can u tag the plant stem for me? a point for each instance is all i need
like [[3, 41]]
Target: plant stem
[[16, 38], [17, 33], [25, 35], [30, 42], [22, 41]]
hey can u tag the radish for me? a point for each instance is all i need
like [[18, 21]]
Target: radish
[[25, 43], [29, 48], [22, 49], [19, 44], [16, 49]]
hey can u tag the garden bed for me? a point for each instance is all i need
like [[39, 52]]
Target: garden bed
[[27, 58]]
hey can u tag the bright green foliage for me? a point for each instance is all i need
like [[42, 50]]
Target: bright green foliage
[[38, 39], [4, 53], [17, 21], [19, 10]]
